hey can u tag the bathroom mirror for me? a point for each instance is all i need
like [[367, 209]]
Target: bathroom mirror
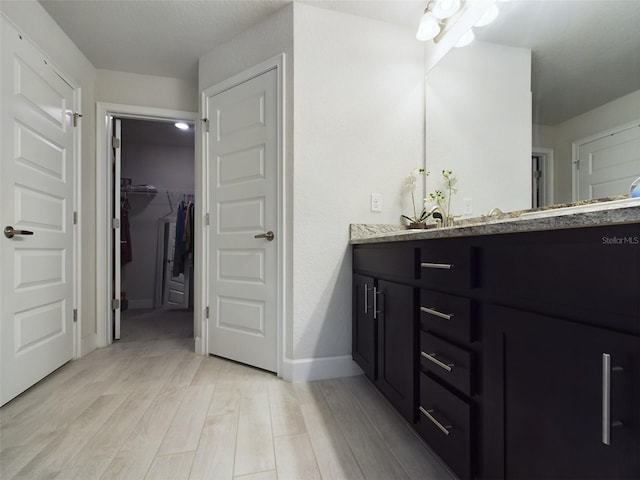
[[585, 83]]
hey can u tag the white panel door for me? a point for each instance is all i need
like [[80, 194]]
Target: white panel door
[[608, 165], [37, 187], [242, 165]]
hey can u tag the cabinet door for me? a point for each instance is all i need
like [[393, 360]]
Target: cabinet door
[[551, 398], [364, 346], [397, 345]]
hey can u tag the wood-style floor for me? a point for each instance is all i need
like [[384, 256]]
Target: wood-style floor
[[147, 407]]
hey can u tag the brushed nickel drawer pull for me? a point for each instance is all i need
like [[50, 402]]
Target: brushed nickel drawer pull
[[432, 311], [428, 414], [366, 298], [441, 266], [448, 366], [607, 369]]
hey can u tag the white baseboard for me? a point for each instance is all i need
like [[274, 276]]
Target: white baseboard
[[88, 344], [309, 369]]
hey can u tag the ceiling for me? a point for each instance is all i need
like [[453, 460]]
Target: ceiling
[[567, 37]]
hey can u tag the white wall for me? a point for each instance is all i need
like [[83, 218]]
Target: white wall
[[146, 90], [359, 123], [36, 24], [614, 114], [478, 124]]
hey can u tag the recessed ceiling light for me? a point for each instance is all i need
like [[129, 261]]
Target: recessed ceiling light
[[182, 126]]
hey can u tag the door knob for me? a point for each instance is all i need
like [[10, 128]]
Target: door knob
[[9, 232], [269, 235]]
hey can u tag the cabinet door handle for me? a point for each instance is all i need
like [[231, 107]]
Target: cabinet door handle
[[429, 414], [607, 369], [441, 266], [375, 302], [432, 311], [366, 298], [448, 366]]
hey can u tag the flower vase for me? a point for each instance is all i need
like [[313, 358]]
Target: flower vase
[[417, 226]]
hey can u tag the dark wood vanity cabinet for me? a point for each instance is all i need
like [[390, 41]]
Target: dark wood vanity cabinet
[[563, 399], [364, 329], [526, 346], [560, 326], [384, 323]]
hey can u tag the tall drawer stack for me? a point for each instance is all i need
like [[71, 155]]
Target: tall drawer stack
[[447, 376]]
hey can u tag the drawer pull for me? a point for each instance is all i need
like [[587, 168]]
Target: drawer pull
[[366, 298], [607, 369], [432, 311], [429, 415], [448, 366], [441, 266]]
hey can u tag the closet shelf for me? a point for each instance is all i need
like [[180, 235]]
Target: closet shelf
[[140, 190]]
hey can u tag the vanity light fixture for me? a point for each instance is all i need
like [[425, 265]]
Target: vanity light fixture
[[182, 125], [465, 39], [488, 17], [429, 26], [439, 13], [434, 19]]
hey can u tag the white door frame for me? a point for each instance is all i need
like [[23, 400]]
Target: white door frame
[[104, 212], [575, 150], [276, 63], [547, 153]]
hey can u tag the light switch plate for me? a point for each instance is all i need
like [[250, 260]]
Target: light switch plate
[[376, 202]]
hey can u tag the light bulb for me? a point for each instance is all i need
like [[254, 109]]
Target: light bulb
[[428, 28], [182, 126], [445, 8], [488, 16], [465, 39]]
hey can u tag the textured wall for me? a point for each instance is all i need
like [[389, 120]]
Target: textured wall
[[359, 129]]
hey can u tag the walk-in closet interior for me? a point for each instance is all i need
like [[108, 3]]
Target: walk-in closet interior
[[156, 231]]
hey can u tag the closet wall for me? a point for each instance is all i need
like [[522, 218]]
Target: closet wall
[[157, 154]]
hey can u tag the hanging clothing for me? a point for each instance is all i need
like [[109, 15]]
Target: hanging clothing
[[126, 251], [188, 229], [178, 250]]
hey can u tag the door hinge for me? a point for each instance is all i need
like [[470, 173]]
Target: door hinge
[[206, 312], [115, 223], [577, 163], [75, 218], [206, 219], [76, 117], [115, 142], [537, 174], [115, 303], [206, 124], [75, 314]]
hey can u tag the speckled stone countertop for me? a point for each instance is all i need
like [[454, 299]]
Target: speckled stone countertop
[[618, 210]]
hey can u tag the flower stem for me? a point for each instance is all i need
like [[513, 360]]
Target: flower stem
[[413, 202]]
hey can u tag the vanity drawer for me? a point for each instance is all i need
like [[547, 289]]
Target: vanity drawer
[[391, 262], [451, 364], [446, 265], [444, 421], [447, 315]]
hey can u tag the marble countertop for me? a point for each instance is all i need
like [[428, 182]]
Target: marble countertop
[[618, 210]]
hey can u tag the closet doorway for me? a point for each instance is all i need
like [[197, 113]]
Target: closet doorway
[[154, 202]]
